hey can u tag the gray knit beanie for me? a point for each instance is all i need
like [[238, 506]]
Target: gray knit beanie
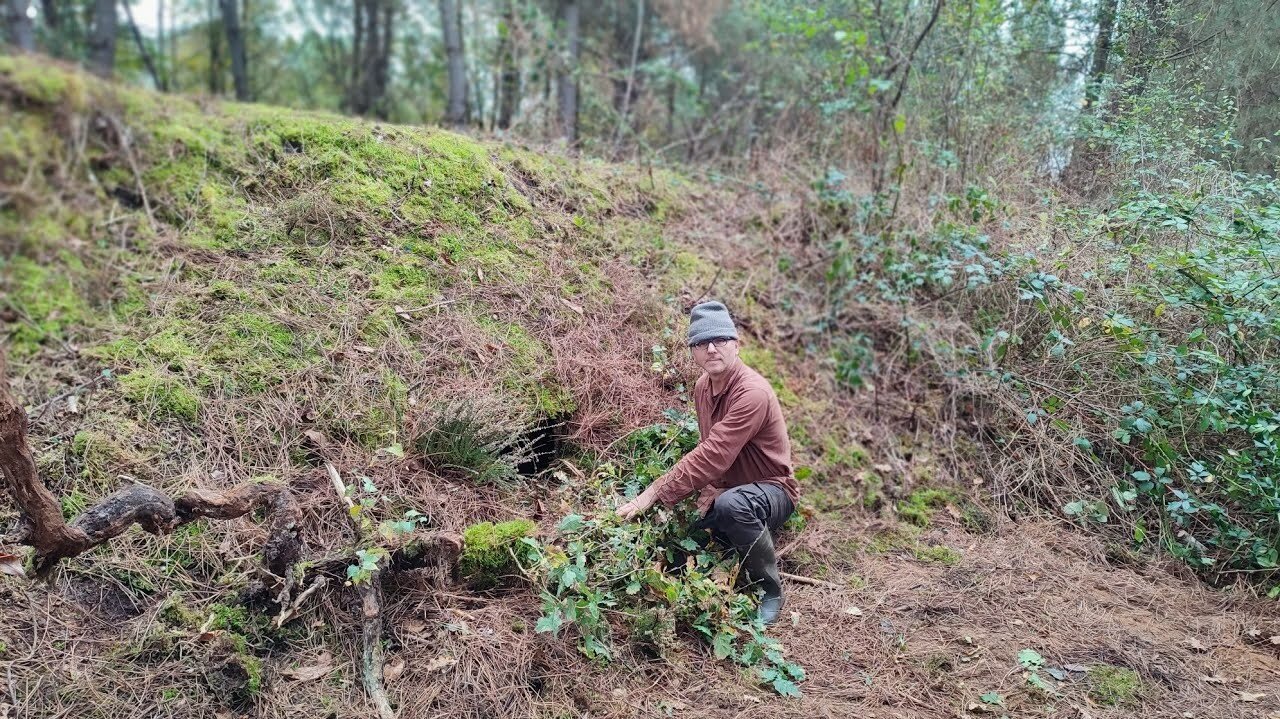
[[709, 321]]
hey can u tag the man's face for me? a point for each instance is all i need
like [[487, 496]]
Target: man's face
[[715, 356]]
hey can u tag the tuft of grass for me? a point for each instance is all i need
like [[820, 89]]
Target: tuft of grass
[[937, 554], [463, 438], [1114, 686], [489, 551]]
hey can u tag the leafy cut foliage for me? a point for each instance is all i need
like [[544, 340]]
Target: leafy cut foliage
[[653, 577]]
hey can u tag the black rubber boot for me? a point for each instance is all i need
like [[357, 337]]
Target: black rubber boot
[[760, 566]]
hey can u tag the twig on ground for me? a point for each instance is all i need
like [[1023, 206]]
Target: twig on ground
[[289, 612], [123, 136], [808, 580], [41, 410]]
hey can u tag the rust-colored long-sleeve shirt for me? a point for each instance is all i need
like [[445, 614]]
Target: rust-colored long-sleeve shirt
[[742, 439]]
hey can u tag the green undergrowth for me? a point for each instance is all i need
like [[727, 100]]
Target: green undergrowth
[[1131, 339]]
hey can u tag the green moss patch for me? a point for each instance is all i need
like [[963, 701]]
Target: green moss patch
[[936, 554], [47, 301], [1114, 686], [763, 361], [490, 551], [161, 392], [918, 508]]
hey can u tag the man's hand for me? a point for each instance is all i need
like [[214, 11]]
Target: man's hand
[[646, 500]]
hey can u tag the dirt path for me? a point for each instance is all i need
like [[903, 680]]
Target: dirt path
[[921, 638]]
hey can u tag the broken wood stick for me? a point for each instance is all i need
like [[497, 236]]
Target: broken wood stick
[[370, 589], [808, 580]]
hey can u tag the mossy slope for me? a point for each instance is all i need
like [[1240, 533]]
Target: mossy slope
[[221, 258]]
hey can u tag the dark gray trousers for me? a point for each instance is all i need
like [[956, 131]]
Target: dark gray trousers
[[741, 514]]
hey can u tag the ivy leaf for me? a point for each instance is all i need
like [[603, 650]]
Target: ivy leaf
[[723, 646], [689, 544], [633, 588], [550, 623], [1034, 680], [992, 698], [571, 523], [1030, 659], [786, 688]]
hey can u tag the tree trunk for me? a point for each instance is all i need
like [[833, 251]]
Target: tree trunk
[[102, 38], [509, 74], [451, 25], [145, 53], [235, 43], [216, 81], [567, 82], [50, 15], [357, 58], [372, 32], [1101, 52], [20, 33], [637, 38], [379, 99], [161, 55]]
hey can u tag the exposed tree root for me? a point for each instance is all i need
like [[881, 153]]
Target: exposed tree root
[[43, 527]]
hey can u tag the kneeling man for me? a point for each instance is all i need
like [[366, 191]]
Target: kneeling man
[[741, 468]]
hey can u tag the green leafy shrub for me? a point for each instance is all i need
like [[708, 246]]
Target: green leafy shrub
[[1155, 366]]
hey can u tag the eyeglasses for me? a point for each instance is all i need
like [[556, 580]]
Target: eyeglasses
[[718, 342]]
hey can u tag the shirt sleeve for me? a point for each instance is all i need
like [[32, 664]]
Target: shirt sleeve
[[717, 451]]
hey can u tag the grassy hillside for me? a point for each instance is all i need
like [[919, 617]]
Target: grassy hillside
[[190, 288]]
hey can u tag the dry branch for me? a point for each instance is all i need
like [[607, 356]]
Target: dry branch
[[800, 579]]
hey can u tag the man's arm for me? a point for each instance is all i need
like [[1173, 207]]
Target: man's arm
[[710, 459]]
